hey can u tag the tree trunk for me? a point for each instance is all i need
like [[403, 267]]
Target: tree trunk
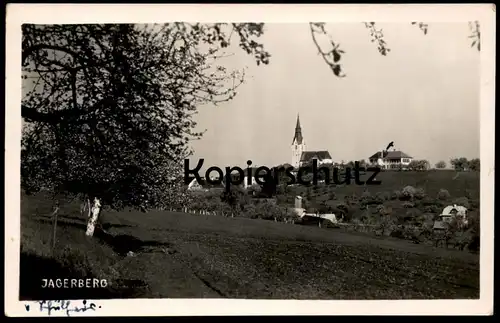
[[96, 209]]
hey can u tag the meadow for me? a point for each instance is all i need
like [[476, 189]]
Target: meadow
[[179, 255]]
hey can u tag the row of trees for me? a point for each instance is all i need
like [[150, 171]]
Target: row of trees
[[463, 164]]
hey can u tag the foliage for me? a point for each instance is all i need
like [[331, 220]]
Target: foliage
[[443, 194], [463, 201], [441, 164], [460, 164], [474, 164], [270, 211], [100, 110], [396, 195], [408, 193], [419, 165]]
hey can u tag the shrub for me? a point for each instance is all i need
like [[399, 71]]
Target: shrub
[[397, 232], [325, 208], [461, 239], [463, 201], [443, 195], [270, 211], [281, 199], [419, 193], [250, 211], [368, 199], [386, 225], [474, 204], [474, 229], [408, 192], [468, 193], [432, 209], [395, 195], [385, 196], [343, 211], [408, 205], [366, 195], [413, 216]]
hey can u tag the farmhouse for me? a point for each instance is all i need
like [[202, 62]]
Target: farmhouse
[[449, 213], [299, 154], [394, 159]]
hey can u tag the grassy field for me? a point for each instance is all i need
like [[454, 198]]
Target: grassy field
[[196, 256], [458, 184]]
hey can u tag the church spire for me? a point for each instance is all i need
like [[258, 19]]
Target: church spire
[[297, 138]]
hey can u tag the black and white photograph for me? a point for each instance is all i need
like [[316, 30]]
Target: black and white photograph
[[249, 159]]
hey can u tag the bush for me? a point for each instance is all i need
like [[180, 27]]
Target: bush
[[414, 216], [325, 208], [463, 201], [461, 239], [474, 204], [386, 225], [343, 211], [443, 195], [365, 196], [250, 211], [419, 193], [408, 192], [408, 205], [397, 232], [474, 230], [385, 196], [396, 195], [270, 211], [432, 209]]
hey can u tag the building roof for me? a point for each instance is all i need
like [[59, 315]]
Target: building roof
[[320, 155], [297, 138], [194, 185], [460, 210], [390, 155]]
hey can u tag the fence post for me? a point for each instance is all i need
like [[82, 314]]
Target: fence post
[[55, 213]]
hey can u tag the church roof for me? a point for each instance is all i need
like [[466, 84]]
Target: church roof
[[320, 155], [298, 133]]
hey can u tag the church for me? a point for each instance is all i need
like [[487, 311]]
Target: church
[[301, 156]]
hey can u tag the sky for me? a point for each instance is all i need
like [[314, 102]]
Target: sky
[[424, 96]]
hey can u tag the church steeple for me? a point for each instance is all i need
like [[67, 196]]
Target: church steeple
[[297, 138], [298, 144]]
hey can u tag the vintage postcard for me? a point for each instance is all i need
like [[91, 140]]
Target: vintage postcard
[[172, 160]]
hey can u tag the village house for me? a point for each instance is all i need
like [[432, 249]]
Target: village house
[[394, 159], [451, 212]]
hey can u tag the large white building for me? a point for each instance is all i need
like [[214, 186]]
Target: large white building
[[391, 159]]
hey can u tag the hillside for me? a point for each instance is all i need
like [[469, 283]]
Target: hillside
[[186, 256]]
